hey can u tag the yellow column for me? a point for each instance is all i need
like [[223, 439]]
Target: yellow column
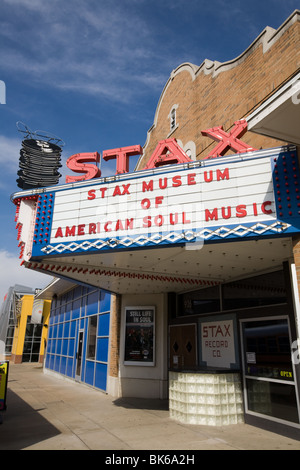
[[20, 330], [46, 316]]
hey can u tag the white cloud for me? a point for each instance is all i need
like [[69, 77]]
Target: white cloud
[[12, 273], [96, 48], [9, 161], [9, 153]]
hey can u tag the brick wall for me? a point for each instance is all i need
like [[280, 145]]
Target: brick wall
[[224, 93]]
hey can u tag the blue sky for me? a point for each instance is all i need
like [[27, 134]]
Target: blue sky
[[92, 71]]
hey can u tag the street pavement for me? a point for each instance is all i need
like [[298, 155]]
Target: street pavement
[[46, 412]]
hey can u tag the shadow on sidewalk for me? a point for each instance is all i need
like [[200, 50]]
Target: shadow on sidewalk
[[142, 403], [22, 425]]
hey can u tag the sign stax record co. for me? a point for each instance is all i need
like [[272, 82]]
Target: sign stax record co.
[[248, 195]]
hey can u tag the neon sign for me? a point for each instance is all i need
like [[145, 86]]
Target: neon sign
[[167, 152]]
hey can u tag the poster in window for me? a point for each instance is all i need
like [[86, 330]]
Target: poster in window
[[37, 311], [139, 336]]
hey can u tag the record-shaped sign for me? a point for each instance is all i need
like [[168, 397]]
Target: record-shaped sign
[[40, 158]]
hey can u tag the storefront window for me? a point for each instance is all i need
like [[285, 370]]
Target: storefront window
[[272, 399], [9, 339], [269, 377], [200, 302], [92, 334], [32, 342], [267, 289]]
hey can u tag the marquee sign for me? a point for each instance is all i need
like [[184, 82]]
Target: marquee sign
[[250, 195]]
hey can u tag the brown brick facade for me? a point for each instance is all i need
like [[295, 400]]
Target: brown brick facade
[[219, 94]]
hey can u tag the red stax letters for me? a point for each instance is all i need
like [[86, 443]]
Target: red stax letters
[[228, 140], [122, 155], [77, 164], [167, 152]]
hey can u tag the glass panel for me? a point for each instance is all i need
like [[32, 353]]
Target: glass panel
[[27, 347], [267, 355], [105, 298], [72, 329], [36, 347], [92, 303], [92, 332], [62, 313], [60, 330], [200, 302], [63, 365], [103, 327], [29, 329], [77, 292], [89, 373], [37, 331], [268, 289], [71, 347], [65, 347], [58, 346], [102, 349], [68, 311], [34, 358], [10, 331], [101, 376], [76, 308], [67, 330], [267, 349], [69, 370], [272, 399]]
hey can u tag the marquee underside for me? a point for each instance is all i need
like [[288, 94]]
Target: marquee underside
[[171, 269]]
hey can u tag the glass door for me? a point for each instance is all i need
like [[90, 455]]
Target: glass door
[[79, 356], [32, 341], [269, 378]]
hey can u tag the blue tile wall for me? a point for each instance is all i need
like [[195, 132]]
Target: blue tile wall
[[69, 315]]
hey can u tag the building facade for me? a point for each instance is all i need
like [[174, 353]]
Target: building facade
[[78, 335], [9, 315], [199, 247], [23, 325], [31, 329]]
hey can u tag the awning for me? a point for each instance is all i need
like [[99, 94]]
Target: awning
[[279, 116]]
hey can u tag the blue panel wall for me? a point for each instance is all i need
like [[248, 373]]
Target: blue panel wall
[[69, 315]]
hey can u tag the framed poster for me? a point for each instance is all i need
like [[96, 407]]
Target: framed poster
[[139, 336]]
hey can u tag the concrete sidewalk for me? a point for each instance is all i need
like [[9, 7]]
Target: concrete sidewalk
[[48, 413]]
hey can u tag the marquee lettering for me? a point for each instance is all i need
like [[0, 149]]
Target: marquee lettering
[[122, 156], [167, 152], [151, 185], [228, 140], [78, 164], [240, 210]]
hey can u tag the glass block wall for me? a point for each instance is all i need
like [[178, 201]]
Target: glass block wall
[[80, 313]]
